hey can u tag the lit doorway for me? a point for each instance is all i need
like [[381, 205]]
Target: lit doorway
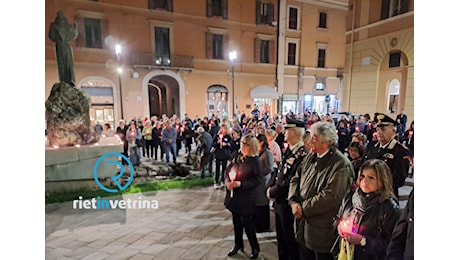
[[319, 105], [393, 96]]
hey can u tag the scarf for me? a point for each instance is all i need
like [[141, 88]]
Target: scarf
[[361, 203]]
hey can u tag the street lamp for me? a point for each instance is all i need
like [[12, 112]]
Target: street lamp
[[119, 69], [232, 56]]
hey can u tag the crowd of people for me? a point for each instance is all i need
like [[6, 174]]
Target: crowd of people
[[332, 184]]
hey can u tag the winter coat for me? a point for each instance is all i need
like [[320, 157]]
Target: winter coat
[[376, 225], [244, 197], [319, 185]]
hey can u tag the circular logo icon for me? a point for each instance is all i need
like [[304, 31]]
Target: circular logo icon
[[117, 177]]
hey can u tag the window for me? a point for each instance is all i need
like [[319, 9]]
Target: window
[[264, 13], [161, 5], [292, 53], [293, 18], [162, 50], [217, 47], [217, 8], [392, 8], [322, 20], [216, 43], [395, 59], [91, 31], [321, 58], [264, 51]]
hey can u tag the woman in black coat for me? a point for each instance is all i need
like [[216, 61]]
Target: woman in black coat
[[222, 144], [241, 194], [368, 215]]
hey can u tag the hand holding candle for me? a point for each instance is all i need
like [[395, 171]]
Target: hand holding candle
[[232, 176], [220, 139]]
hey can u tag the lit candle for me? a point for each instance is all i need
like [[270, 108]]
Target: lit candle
[[357, 129], [55, 146], [232, 176], [77, 145], [411, 133], [103, 136], [182, 129], [286, 145], [346, 226], [220, 139]]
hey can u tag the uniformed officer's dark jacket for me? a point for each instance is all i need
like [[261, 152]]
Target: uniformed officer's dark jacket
[[396, 157], [279, 184]]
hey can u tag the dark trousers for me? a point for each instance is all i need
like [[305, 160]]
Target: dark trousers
[[287, 246], [307, 254], [204, 162], [220, 164], [246, 222], [262, 218], [149, 148]]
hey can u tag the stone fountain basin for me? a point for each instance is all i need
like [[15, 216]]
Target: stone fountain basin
[[72, 168]]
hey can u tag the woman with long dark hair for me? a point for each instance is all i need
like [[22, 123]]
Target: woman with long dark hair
[[368, 214]]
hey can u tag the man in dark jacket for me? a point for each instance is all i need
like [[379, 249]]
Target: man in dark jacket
[[279, 129], [401, 246], [316, 192], [205, 142], [279, 188], [389, 150]]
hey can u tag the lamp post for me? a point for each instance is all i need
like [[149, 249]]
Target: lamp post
[[232, 56], [119, 69]]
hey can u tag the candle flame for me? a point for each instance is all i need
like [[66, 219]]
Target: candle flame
[[232, 175]]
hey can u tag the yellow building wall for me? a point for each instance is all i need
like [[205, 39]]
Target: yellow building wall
[[366, 88]]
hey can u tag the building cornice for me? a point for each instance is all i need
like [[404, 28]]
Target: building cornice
[[340, 5], [381, 22]]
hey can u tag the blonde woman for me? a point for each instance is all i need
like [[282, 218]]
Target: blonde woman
[[242, 177]]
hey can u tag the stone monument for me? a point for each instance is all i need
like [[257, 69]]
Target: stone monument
[[67, 108]]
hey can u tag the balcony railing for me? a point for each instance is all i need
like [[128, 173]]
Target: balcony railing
[[146, 59]]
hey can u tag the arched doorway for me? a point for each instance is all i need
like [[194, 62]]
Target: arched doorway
[[102, 95], [163, 92], [217, 99], [392, 82]]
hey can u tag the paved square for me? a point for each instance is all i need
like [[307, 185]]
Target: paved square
[[189, 224]]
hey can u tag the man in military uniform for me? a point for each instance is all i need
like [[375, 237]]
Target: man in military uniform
[[386, 148], [279, 188]]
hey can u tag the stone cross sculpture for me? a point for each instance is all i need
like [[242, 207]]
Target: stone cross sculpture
[[61, 32], [67, 108]]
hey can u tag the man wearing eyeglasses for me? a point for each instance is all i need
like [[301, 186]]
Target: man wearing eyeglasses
[[388, 149]]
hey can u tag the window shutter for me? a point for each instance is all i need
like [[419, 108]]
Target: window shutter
[[169, 5], [104, 32], [271, 13], [257, 50], [209, 8], [224, 46], [258, 11], [405, 6], [81, 38], [385, 9], [272, 51], [208, 45], [225, 9]]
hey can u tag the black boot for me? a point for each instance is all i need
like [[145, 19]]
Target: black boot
[[255, 253], [235, 250]]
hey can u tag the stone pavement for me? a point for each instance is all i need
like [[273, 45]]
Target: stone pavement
[[188, 224]]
